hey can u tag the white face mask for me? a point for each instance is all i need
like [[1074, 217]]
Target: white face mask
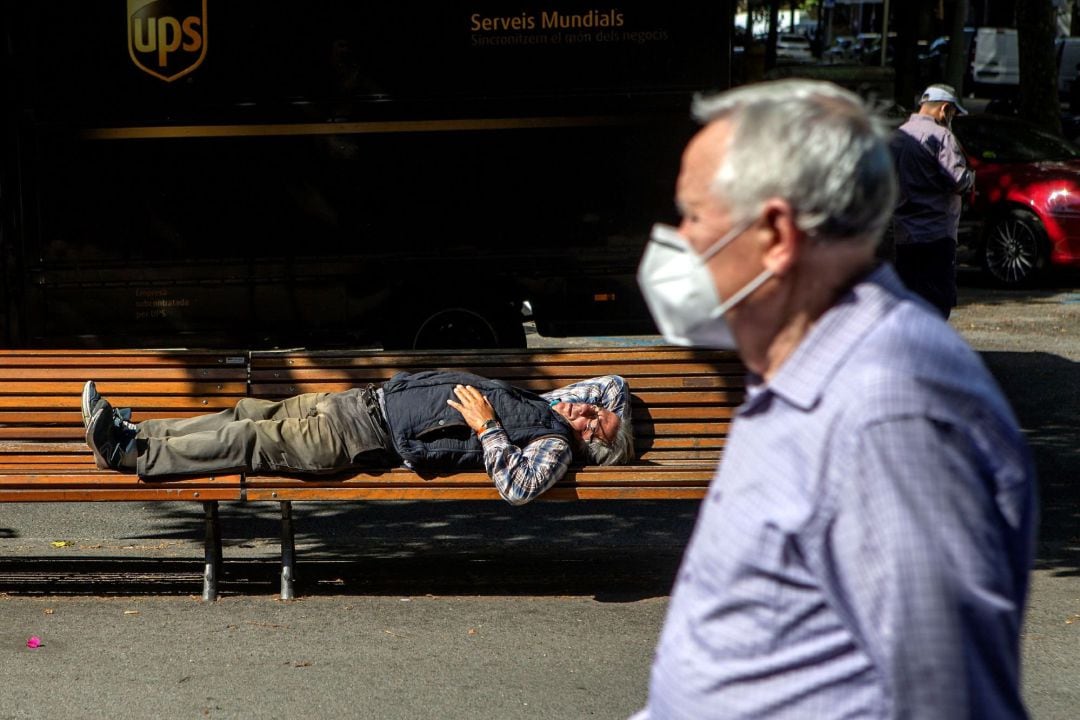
[[681, 293]]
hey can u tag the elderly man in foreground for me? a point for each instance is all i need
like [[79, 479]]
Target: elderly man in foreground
[[864, 548]]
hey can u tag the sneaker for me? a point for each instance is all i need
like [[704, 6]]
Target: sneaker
[[90, 399], [111, 439]]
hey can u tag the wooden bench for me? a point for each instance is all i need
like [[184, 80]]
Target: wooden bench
[[43, 454], [683, 401]]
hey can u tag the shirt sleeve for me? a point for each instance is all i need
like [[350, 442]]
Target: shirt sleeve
[[954, 163], [914, 563], [521, 474], [608, 391]]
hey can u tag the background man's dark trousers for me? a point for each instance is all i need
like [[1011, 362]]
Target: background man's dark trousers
[[928, 269]]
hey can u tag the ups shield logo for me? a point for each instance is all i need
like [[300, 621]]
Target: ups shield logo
[[167, 38]]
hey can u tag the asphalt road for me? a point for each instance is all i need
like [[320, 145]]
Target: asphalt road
[[458, 610]]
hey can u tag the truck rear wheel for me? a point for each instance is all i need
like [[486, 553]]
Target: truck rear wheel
[[460, 327]]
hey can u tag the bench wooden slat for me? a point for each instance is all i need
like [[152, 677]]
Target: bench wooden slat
[[74, 416], [643, 372], [595, 356], [123, 359], [119, 375], [61, 392], [91, 493]]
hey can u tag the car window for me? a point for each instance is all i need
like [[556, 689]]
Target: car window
[[996, 141]]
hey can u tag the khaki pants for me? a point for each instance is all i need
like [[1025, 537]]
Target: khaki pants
[[311, 433]]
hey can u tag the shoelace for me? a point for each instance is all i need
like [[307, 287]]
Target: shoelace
[[127, 428]]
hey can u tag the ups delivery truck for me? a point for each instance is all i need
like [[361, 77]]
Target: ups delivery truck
[[338, 172]]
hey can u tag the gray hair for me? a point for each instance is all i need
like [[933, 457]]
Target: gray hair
[[811, 143], [617, 450]]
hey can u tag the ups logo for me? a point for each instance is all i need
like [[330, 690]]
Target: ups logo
[[167, 38]]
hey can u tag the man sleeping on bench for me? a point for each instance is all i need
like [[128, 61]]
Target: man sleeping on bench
[[429, 421]]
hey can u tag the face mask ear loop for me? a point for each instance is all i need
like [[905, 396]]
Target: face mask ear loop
[[741, 294], [724, 241]]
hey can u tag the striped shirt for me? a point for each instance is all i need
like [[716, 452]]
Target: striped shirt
[[521, 474], [865, 546]]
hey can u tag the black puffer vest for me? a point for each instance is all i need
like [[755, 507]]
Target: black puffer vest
[[430, 435]]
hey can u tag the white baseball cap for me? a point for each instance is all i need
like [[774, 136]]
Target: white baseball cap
[[942, 93]]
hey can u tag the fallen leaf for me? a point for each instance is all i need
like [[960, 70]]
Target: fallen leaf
[[301, 663], [61, 543], [131, 612], [49, 611], [473, 631]]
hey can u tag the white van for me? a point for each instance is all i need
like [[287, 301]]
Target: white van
[[996, 61]]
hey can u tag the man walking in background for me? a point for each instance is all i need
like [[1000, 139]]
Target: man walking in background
[[933, 174]]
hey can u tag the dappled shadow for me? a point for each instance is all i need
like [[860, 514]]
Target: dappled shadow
[[594, 548], [615, 551]]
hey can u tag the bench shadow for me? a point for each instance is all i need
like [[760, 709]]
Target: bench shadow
[[624, 550], [617, 551]]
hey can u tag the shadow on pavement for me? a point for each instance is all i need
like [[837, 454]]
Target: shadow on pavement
[[611, 551], [1044, 390]]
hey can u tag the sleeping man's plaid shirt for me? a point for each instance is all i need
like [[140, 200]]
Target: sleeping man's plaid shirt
[[521, 474]]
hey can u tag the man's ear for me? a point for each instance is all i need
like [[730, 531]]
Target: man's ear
[[783, 239]]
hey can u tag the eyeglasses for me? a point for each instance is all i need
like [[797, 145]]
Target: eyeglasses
[[593, 429]]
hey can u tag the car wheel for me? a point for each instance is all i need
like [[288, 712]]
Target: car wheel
[[1015, 249], [456, 328]]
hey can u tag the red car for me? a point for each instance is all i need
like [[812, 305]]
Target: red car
[[1025, 212]]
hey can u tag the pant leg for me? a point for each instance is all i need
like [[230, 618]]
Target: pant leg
[[929, 270], [302, 445], [245, 409], [314, 433]]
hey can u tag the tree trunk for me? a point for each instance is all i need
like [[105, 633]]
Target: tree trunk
[[1036, 28], [1074, 26], [908, 81], [957, 64], [774, 26]]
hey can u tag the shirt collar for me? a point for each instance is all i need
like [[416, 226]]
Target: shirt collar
[[802, 378]]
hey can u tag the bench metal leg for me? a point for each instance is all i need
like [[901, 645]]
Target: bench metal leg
[[288, 552], [212, 551]]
